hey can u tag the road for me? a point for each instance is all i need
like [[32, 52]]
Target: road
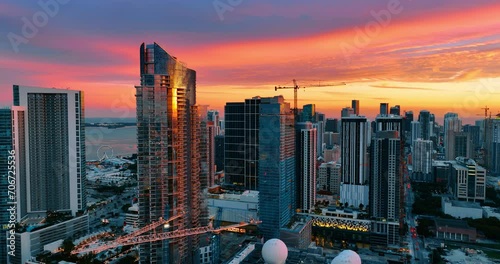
[[108, 211], [415, 244]]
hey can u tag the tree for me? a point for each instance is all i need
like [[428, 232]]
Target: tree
[[67, 246], [361, 206], [346, 204]]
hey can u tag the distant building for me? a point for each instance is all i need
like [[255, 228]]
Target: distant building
[[452, 125], [426, 125], [467, 180], [329, 175], [219, 152], [309, 113], [416, 132], [346, 112], [384, 109], [332, 125], [422, 160], [355, 106], [395, 110], [234, 208]]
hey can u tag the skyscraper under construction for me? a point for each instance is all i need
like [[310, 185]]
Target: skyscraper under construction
[[168, 133]]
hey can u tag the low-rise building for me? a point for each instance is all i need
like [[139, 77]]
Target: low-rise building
[[298, 233], [461, 209], [234, 208], [30, 241], [329, 177], [458, 230]]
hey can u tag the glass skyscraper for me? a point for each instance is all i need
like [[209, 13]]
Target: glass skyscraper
[[276, 166], [168, 133]]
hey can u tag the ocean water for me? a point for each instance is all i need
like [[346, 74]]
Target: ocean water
[[117, 141]]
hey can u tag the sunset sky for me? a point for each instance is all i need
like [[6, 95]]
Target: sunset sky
[[443, 56]]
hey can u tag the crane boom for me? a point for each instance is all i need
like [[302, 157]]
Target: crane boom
[[296, 87], [160, 236]]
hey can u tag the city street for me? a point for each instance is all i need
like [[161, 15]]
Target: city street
[[415, 244]]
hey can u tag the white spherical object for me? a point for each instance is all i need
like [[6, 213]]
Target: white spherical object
[[347, 257], [274, 251]]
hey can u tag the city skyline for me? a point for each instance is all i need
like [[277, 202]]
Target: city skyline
[[404, 61]]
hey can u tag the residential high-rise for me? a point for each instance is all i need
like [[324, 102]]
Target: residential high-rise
[[390, 123], [329, 175], [168, 161], [384, 109], [426, 124], [354, 144], [319, 137], [495, 146], [355, 106], [385, 175], [461, 145], [241, 147], [422, 160], [54, 149], [276, 166], [452, 124], [305, 153]]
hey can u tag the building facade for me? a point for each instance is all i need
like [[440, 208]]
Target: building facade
[[276, 166], [329, 175], [306, 153], [354, 143], [467, 180], [168, 161], [53, 150]]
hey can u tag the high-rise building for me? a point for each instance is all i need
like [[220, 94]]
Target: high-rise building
[[422, 160], [385, 175], [395, 110], [408, 120], [213, 115], [319, 126], [54, 150], [219, 152], [309, 113], [332, 125], [475, 135], [168, 161], [416, 131], [384, 109], [241, 147], [355, 106], [452, 124], [390, 123], [305, 153], [241, 158], [207, 147], [329, 177], [467, 180], [346, 112], [495, 146], [276, 166], [354, 144], [426, 124], [461, 145]]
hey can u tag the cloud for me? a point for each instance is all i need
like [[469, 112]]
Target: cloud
[[402, 87]]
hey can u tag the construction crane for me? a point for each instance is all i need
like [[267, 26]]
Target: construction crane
[[135, 238], [296, 87], [486, 111]]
